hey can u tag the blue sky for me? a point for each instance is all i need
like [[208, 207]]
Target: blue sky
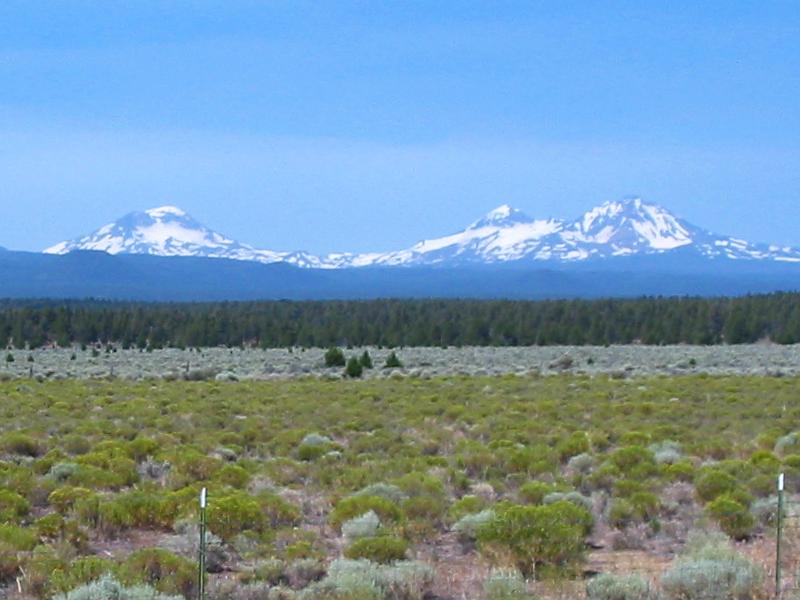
[[370, 125]]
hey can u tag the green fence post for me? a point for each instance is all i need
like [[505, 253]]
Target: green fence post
[[201, 566], [780, 535]]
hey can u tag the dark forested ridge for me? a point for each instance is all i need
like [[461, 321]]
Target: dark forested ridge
[[405, 322]]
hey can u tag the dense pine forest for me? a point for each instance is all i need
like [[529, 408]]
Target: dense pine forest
[[774, 317]]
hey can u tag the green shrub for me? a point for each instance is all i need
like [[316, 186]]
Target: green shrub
[[50, 526], [231, 514], [81, 572], [551, 536], [22, 444], [634, 461], [645, 504], [617, 587], [161, 569], [64, 498], [13, 507], [18, 538], [9, 562], [576, 443], [733, 518], [620, 513], [712, 483], [233, 476], [382, 549], [534, 492], [278, 512]]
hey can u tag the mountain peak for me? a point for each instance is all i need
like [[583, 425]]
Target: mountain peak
[[161, 211], [504, 215]]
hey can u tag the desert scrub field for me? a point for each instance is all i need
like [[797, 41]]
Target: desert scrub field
[[448, 487], [247, 363]]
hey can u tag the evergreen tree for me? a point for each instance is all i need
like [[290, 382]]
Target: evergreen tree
[[353, 368], [366, 360], [392, 362], [334, 357]]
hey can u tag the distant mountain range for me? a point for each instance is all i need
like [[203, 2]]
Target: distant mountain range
[[505, 235], [625, 248]]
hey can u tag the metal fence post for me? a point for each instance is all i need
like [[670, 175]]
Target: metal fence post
[[201, 566], [778, 573]]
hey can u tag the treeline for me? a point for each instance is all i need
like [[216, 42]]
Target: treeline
[[747, 319]]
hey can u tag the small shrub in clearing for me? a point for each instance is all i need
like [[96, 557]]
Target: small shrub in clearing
[[468, 526], [61, 472], [616, 587], [576, 498], [316, 439], [383, 549], [467, 505], [506, 584], [383, 490], [354, 506], [788, 444], [581, 463], [108, 588], [366, 525], [577, 443], [666, 452], [304, 571], [765, 511], [534, 492], [712, 570], [733, 518], [366, 580]]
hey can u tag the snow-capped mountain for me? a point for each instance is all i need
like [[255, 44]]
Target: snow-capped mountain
[[622, 228], [629, 227], [169, 231]]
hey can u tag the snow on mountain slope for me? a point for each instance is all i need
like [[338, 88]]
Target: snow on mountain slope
[[169, 231], [622, 228]]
